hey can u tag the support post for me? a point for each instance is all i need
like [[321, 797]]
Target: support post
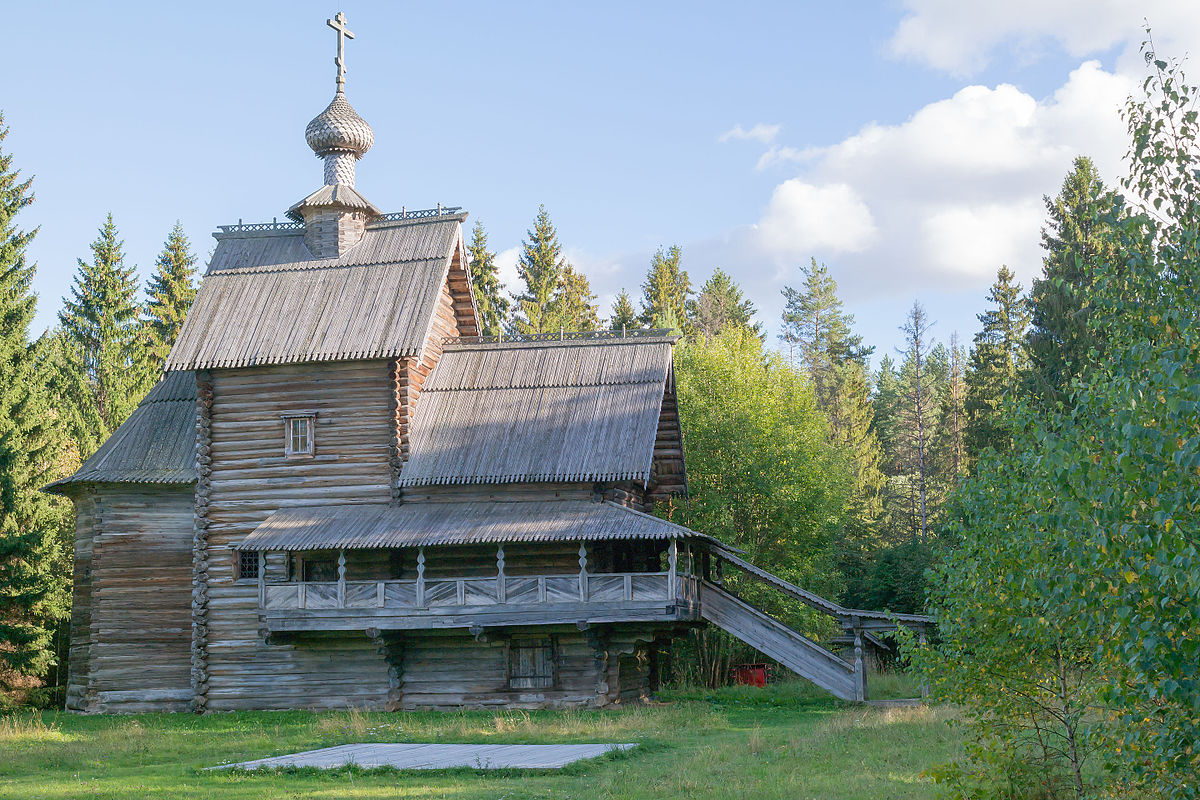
[[501, 592], [420, 577], [341, 579], [720, 573], [924, 683], [860, 672], [672, 563], [583, 575]]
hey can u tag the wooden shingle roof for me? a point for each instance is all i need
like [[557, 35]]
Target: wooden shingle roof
[[155, 445], [266, 300], [545, 411], [456, 523]]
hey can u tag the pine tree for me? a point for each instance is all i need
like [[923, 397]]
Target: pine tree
[[103, 341], [720, 304], [623, 318], [834, 359], [33, 552], [816, 325], [666, 291], [573, 307], [485, 282], [949, 450], [997, 364], [1077, 241], [918, 404], [170, 294], [540, 267]]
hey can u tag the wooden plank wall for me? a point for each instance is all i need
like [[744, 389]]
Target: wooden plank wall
[[450, 669], [668, 474], [131, 634], [81, 602], [250, 480]]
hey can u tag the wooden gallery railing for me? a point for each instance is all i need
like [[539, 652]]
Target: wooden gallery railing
[[421, 593]]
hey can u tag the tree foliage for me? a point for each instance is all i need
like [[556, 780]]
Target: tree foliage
[[34, 580], [720, 304], [490, 301], [666, 291], [170, 294], [540, 267], [107, 363], [1078, 240], [624, 317], [1067, 609], [762, 474], [997, 365], [573, 306]]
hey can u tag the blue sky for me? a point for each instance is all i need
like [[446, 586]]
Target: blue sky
[[905, 144]]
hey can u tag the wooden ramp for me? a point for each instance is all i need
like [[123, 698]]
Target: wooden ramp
[[769, 636]]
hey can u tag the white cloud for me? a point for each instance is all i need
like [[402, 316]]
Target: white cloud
[[506, 262], [784, 155], [760, 132], [961, 37], [802, 218], [940, 201]]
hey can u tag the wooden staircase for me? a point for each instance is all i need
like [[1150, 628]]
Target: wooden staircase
[[798, 653], [767, 635]]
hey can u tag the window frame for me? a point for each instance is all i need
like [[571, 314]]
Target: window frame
[[243, 556], [310, 420]]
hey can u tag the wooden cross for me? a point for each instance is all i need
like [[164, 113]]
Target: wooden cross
[[338, 23]]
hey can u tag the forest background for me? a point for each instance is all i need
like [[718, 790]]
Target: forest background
[[1034, 489]]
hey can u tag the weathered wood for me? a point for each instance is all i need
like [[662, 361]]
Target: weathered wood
[[798, 653]]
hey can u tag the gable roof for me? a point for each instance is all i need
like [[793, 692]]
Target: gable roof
[[155, 445], [584, 410], [458, 523], [266, 300]]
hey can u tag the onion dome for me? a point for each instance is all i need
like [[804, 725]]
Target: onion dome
[[339, 129]]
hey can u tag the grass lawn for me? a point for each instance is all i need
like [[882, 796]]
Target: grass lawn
[[786, 741]]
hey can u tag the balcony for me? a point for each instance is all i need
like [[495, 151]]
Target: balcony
[[468, 602]]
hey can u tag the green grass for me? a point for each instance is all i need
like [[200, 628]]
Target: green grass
[[787, 741]]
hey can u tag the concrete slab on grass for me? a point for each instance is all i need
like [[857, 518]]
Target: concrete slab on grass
[[437, 756]]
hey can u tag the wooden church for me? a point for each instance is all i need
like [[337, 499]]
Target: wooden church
[[341, 495]]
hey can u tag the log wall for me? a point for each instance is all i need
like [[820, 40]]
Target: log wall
[[596, 667], [131, 622], [250, 480]]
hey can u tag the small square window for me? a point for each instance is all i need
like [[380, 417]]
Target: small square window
[[298, 436], [247, 564], [531, 664]]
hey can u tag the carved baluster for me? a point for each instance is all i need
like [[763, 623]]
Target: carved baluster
[[341, 579], [672, 563], [583, 576], [501, 592], [420, 577]]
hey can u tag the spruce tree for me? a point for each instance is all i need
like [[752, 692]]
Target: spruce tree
[[719, 304], [666, 291], [573, 307], [997, 365], [623, 318], [33, 551], [485, 282], [105, 350], [170, 294], [1078, 241], [541, 268]]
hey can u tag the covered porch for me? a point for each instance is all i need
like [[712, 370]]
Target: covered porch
[[438, 565]]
